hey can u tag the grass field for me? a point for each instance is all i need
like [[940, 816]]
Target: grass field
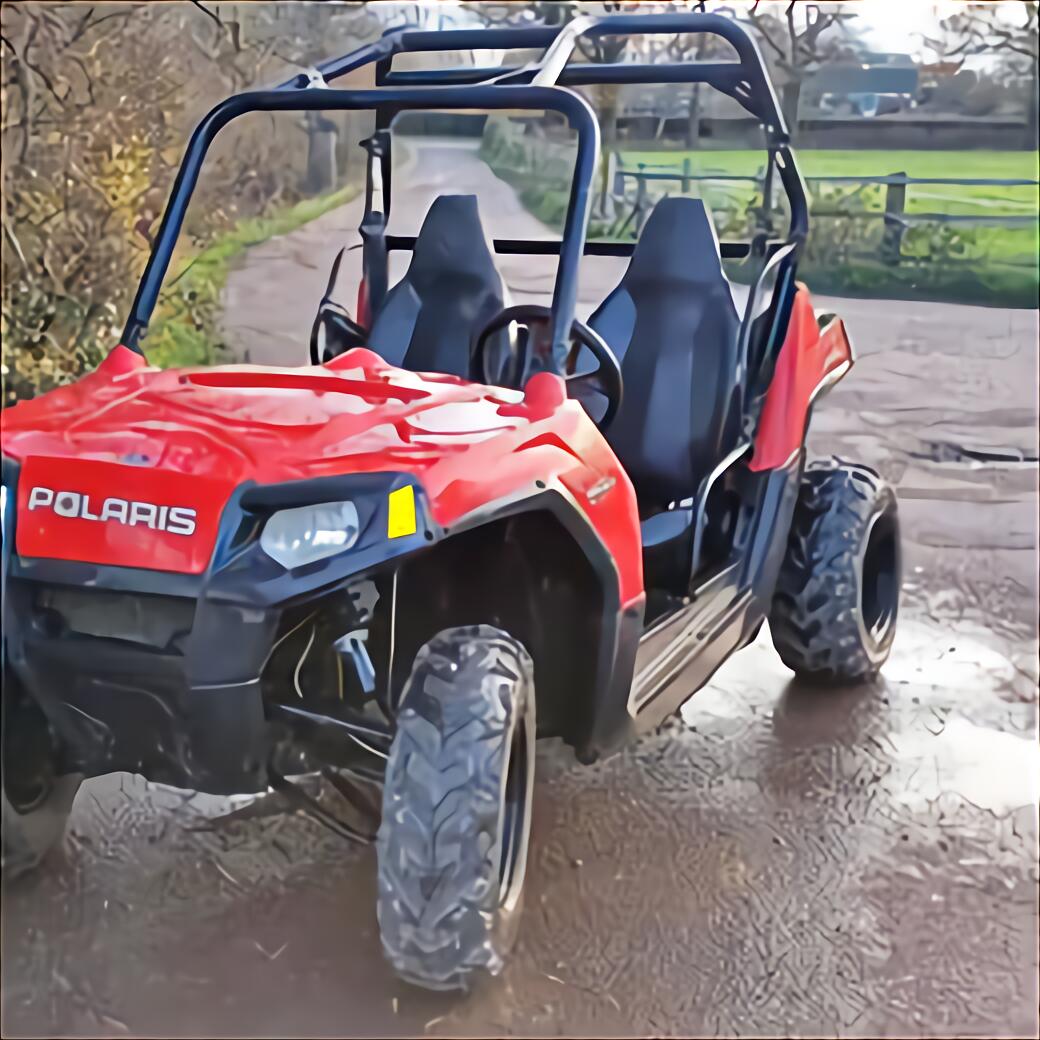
[[921, 198], [1002, 244], [980, 263], [993, 263]]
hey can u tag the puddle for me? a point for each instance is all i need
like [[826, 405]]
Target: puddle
[[946, 451], [752, 675], [992, 770], [954, 659]]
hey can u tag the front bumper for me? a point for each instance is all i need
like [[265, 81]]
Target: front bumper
[[159, 673]]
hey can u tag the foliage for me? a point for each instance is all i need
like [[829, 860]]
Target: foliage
[[846, 255], [986, 264], [79, 157], [97, 104], [539, 169], [185, 329]]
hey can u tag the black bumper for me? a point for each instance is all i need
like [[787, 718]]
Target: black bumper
[[121, 706], [160, 674]]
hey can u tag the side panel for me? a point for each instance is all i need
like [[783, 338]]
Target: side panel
[[557, 445], [810, 359], [680, 653], [598, 693]]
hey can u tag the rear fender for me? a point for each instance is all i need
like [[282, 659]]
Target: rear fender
[[816, 353]]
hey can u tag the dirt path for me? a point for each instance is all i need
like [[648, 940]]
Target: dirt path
[[785, 861]]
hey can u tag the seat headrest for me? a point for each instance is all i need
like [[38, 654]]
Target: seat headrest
[[451, 239], [678, 242]]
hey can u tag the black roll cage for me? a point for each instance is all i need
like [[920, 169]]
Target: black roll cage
[[537, 85]]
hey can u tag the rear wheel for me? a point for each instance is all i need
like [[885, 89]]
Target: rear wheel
[[833, 616], [452, 846], [35, 800]]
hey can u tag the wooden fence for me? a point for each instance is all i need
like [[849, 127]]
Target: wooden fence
[[632, 191]]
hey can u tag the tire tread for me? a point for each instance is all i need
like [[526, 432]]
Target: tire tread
[[814, 616], [437, 843]]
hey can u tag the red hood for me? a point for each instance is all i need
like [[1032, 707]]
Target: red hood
[[188, 437], [239, 422]]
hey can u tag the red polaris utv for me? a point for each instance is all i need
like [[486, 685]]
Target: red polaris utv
[[464, 525]]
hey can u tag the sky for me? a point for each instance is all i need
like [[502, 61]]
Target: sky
[[889, 26]]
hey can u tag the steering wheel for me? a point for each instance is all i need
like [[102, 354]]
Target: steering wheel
[[604, 379], [334, 331]]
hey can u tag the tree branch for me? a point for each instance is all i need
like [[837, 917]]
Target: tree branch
[[755, 21], [207, 12]]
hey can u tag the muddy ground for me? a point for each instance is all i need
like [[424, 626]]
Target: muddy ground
[[783, 861]]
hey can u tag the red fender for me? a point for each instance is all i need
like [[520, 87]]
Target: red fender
[[811, 360]]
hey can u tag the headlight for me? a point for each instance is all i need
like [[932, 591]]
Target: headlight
[[293, 537]]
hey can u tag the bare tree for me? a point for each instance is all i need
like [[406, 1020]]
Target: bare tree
[[797, 41], [1010, 33], [604, 50], [97, 103], [692, 47]]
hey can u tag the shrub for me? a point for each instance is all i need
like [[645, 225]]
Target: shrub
[[98, 101]]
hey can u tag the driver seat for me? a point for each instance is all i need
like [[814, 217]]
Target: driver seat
[[450, 291], [673, 326]]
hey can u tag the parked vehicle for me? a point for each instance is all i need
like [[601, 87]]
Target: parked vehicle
[[463, 526]]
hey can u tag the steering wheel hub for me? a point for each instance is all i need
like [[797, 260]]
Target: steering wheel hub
[[604, 380]]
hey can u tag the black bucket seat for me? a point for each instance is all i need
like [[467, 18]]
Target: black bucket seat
[[673, 325], [450, 291]]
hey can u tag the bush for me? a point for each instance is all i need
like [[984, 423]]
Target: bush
[[185, 328], [98, 103], [540, 169]]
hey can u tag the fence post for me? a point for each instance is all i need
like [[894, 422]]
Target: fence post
[[687, 169], [619, 178], [895, 207], [640, 204], [608, 181]]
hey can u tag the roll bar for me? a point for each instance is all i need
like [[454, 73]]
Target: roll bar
[[389, 99], [745, 80], [537, 85], [757, 96]]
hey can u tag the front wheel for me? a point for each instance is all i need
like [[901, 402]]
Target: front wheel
[[833, 616], [34, 800], [452, 845]]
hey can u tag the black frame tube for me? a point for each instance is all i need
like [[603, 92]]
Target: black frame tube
[[552, 246], [745, 80], [389, 99], [762, 100]]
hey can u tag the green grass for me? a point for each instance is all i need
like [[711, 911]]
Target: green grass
[[998, 264], [987, 264], [1004, 245], [183, 331], [921, 198]]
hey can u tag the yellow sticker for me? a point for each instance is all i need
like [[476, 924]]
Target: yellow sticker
[[401, 515]]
